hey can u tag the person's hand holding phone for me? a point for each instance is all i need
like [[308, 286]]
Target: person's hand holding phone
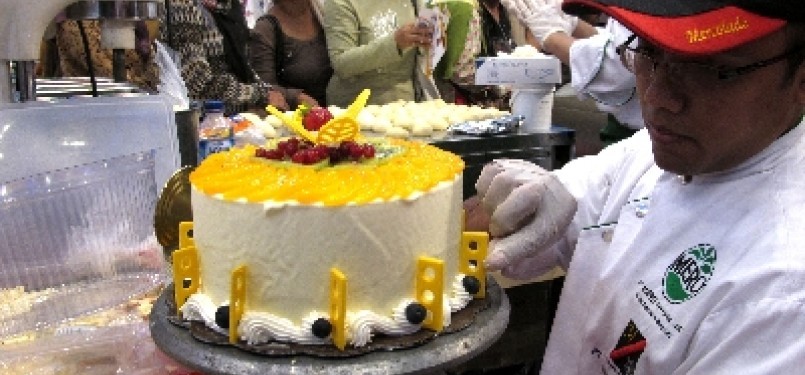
[[415, 34]]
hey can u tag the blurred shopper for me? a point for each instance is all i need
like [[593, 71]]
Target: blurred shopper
[[373, 45], [497, 28], [462, 45], [75, 50], [254, 9], [485, 29], [596, 71], [288, 50], [496, 36], [210, 37], [683, 244]]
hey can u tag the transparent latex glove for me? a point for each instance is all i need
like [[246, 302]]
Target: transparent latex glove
[[528, 267], [529, 211], [542, 17]]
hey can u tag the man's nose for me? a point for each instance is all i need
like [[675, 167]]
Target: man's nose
[[662, 89]]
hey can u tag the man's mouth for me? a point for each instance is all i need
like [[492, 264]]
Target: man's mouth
[[662, 134]]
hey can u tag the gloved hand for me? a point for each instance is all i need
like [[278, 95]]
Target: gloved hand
[[543, 17], [530, 210]]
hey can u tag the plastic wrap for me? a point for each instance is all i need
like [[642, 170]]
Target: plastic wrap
[[122, 349], [171, 83], [77, 240]]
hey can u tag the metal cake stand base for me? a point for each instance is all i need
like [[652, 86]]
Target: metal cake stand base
[[443, 352]]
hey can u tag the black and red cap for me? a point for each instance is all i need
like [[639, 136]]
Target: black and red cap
[[696, 27]]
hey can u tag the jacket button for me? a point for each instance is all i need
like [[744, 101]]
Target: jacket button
[[641, 210], [607, 235]]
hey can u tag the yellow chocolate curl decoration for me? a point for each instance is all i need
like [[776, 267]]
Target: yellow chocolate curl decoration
[[430, 290], [185, 239], [338, 307], [293, 122], [474, 247], [185, 267], [237, 300], [342, 128], [337, 130]]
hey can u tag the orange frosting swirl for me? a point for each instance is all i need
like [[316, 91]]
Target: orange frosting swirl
[[239, 175]]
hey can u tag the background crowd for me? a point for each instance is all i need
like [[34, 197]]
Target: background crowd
[[249, 53]]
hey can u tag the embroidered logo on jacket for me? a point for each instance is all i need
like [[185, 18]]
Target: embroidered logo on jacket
[[689, 273]]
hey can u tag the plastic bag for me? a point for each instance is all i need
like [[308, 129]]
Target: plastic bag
[[171, 83]]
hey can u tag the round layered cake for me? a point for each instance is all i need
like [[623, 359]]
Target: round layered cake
[[369, 210]]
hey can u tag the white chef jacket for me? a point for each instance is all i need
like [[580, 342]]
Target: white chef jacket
[[669, 278], [596, 71]]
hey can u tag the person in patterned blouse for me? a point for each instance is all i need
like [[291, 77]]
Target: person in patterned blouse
[[65, 54], [210, 38]]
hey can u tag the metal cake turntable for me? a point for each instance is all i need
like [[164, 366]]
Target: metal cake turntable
[[442, 352]]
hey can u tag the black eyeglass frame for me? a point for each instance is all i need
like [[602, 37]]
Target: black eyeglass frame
[[723, 72]]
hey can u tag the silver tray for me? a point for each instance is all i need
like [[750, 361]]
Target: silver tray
[[500, 125]]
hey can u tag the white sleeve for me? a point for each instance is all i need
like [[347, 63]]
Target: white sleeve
[[597, 72], [601, 184]]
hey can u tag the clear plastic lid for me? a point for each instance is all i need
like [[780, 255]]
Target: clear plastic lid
[[38, 137], [77, 240]]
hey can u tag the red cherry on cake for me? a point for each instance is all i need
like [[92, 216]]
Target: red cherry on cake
[[321, 151], [300, 157], [355, 151], [274, 154], [307, 153], [316, 117], [368, 151]]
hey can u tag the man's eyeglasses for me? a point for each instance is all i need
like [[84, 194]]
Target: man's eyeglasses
[[642, 57]]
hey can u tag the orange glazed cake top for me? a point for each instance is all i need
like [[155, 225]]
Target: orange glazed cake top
[[400, 169]]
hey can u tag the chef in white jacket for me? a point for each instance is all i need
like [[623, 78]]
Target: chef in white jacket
[[684, 245], [596, 71]]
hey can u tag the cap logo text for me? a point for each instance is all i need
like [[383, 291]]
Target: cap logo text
[[723, 28]]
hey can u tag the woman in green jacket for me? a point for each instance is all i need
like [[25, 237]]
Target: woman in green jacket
[[373, 45]]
